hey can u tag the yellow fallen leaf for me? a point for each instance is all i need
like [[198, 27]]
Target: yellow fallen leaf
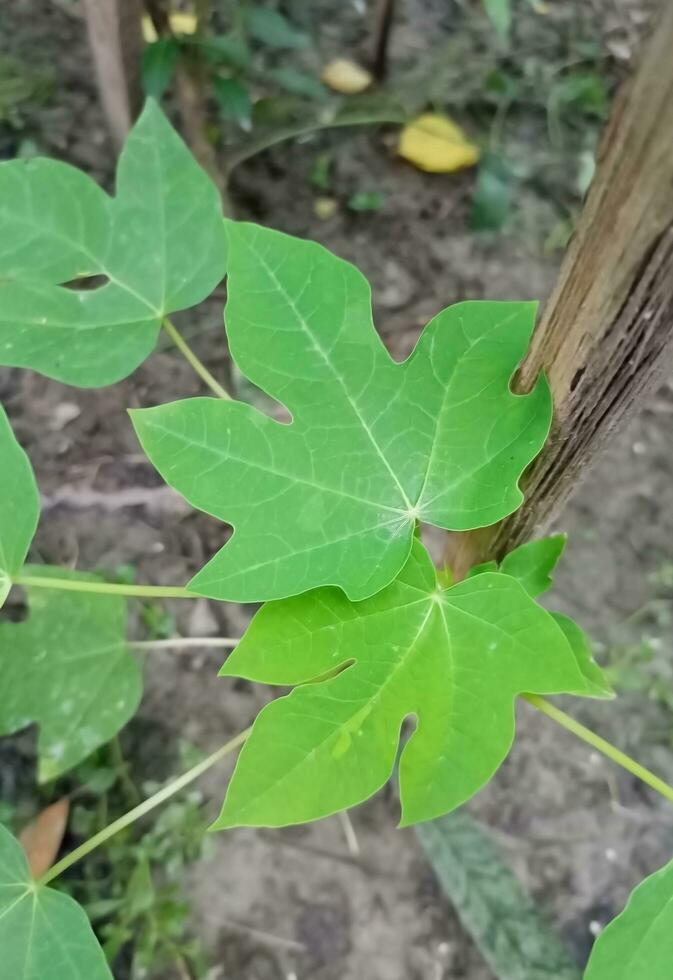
[[346, 76], [436, 144], [180, 24]]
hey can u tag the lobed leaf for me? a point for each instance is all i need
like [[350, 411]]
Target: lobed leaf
[[374, 445], [532, 564], [19, 506], [67, 669], [453, 659], [159, 243], [44, 934], [638, 944]]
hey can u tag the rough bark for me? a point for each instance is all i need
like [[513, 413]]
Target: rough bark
[[606, 334]]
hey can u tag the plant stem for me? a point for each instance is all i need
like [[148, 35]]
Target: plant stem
[[193, 360], [266, 142], [105, 588], [185, 641], [601, 745], [143, 808]]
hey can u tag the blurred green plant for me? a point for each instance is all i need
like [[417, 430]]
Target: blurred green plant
[[20, 87], [132, 889]]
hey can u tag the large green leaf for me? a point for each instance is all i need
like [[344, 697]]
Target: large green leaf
[[505, 922], [44, 934], [332, 499], [638, 944], [67, 669], [453, 659], [532, 564], [19, 506], [160, 243]]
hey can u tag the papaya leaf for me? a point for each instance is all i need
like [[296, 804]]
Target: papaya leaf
[[374, 446], [44, 934], [484, 566], [160, 244], [66, 636], [533, 564], [638, 944], [453, 659], [597, 684], [19, 506]]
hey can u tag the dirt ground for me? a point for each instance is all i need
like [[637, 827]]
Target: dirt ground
[[294, 904]]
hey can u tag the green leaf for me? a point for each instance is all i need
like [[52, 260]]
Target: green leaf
[[158, 65], [503, 920], [374, 446], [492, 197], [66, 668], [366, 201], [159, 242], [234, 100], [19, 506], [44, 934], [454, 660], [228, 49], [484, 566], [500, 14], [268, 26], [583, 91], [298, 83], [638, 944], [533, 563], [597, 683]]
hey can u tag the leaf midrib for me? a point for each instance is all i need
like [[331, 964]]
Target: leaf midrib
[[306, 328], [447, 405], [274, 471]]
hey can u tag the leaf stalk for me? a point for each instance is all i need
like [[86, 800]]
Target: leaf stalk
[[105, 588], [194, 361], [143, 808], [601, 745]]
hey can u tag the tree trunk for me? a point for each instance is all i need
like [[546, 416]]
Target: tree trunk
[[606, 334], [115, 38]]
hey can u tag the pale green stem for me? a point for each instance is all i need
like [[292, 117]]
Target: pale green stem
[[600, 744], [185, 641], [143, 808], [194, 361], [560, 717], [104, 588]]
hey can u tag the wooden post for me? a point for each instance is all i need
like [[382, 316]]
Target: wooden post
[[115, 38], [606, 334]]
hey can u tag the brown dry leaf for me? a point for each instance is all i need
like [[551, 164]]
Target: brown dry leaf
[[346, 76], [42, 837], [436, 144]]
